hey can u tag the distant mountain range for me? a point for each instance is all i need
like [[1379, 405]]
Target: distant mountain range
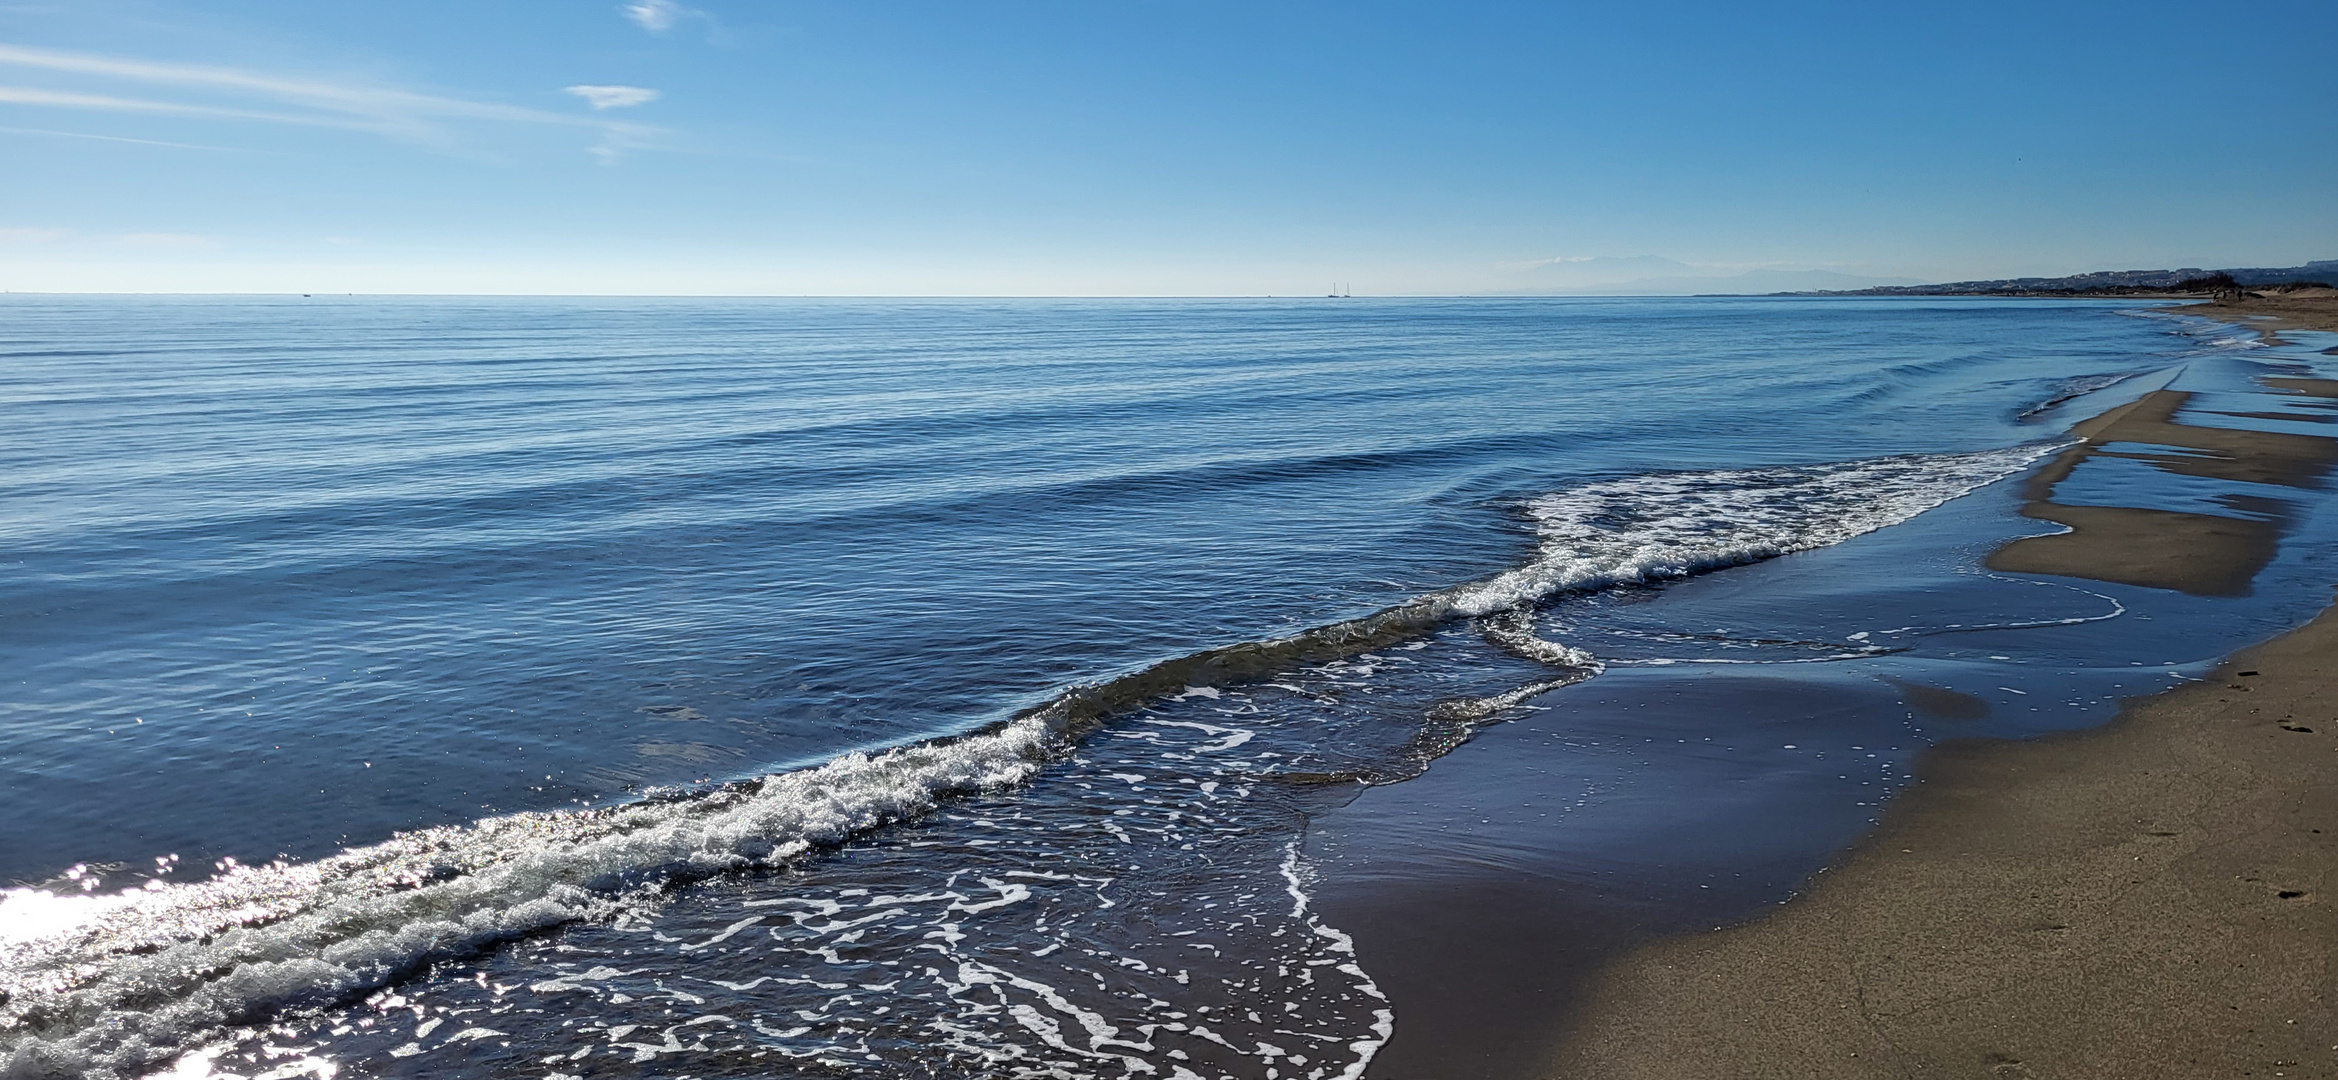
[[2111, 282], [1651, 275]]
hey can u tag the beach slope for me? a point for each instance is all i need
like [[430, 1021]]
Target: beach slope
[[2148, 899]]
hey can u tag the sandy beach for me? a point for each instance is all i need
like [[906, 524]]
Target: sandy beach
[[2273, 311], [2146, 899], [2151, 899]]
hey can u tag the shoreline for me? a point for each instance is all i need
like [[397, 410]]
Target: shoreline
[[2272, 314], [2143, 898]]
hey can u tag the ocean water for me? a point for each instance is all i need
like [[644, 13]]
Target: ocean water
[[503, 687]]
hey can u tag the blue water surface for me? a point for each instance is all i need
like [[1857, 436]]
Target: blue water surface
[[288, 574]]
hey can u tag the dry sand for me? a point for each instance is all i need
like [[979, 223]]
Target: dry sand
[[2149, 899], [2304, 309]]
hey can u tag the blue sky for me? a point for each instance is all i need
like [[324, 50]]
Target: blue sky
[[1150, 148]]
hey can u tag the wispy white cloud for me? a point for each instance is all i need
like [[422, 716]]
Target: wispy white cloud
[[30, 236], [25, 95], [112, 138], [381, 105], [659, 16], [655, 15], [416, 117], [614, 97], [167, 240], [615, 144]]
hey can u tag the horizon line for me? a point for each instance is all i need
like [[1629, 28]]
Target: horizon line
[[1813, 295]]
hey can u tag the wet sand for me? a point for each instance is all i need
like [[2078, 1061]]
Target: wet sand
[[2148, 899], [2202, 554], [1501, 899], [2152, 899]]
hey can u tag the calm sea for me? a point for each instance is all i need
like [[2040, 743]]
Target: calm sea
[[542, 687]]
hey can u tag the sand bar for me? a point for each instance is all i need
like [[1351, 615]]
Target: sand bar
[[2202, 554], [2147, 899]]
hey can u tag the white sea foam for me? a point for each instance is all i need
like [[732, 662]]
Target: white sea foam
[[1061, 932], [107, 985], [1341, 944], [1648, 528], [110, 985], [1514, 632]]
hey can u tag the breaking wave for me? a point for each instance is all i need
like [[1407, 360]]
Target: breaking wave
[[109, 984]]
